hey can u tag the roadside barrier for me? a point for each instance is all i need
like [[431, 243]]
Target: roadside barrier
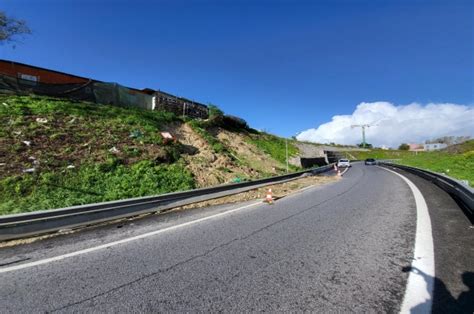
[[47, 221], [457, 189]]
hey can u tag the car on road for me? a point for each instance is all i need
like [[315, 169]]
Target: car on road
[[370, 161], [343, 163]]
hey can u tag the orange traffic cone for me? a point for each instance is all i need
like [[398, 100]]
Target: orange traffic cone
[[269, 198]]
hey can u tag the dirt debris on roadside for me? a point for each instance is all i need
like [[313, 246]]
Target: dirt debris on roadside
[[279, 190]]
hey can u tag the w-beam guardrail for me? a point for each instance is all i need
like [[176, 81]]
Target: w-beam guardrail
[[46, 221], [461, 191]]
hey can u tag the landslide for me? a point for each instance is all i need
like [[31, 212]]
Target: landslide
[[56, 153]]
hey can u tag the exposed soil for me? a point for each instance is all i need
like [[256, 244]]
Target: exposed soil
[[62, 141], [248, 153], [209, 168], [278, 191]]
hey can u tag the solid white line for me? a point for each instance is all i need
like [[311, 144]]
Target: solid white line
[[342, 173], [107, 245], [418, 296]]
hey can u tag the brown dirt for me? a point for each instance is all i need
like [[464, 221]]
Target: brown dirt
[[66, 140], [249, 153], [208, 168], [61, 142], [278, 190]]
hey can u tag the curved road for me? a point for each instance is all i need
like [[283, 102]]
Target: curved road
[[339, 247]]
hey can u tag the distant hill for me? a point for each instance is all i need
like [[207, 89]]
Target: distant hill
[[460, 148]]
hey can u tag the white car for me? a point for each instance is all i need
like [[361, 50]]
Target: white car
[[342, 163]]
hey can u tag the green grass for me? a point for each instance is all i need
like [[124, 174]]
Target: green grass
[[101, 118], [456, 165], [460, 166], [81, 134], [381, 154], [90, 184], [18, 106], [274, 146]]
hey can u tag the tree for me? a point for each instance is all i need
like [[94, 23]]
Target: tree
[[214, 111], [11, 28], [367, 145], [216, 116], [404, 146]]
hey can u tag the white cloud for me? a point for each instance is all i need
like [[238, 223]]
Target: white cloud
[[393, 124]]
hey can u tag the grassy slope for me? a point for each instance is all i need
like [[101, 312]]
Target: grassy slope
[[81, 135], [458, 162], [274, 146], [74, 162]]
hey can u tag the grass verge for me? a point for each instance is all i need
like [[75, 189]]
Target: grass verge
[[457, 163], [274, 146], [91, 184]]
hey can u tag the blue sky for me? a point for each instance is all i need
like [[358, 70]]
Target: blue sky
[[284, 66]]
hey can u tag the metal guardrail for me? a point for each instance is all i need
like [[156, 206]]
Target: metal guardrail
[[45, 221], [456, 188]]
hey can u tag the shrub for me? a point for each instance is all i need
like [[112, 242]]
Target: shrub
[[404, 146], [91, 183]]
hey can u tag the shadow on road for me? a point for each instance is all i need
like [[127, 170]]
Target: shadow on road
[[443, 300]]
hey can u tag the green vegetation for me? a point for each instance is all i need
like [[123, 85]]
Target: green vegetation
[[83, 153], [214, 112], [460, 166], [18, 106], [90, 184], [381, 154], [456, 161], [11, 28], [56, 153], [274, 146], [404, 146]]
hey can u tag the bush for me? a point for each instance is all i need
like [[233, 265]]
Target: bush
[[234, 123], [91, 183], [404, 146], [216, 116], [215, 112]]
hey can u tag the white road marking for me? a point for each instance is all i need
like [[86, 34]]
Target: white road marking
[[418, 296], [114, 243], [342, 173]]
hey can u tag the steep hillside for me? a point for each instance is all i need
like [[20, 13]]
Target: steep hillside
[[56, 153]]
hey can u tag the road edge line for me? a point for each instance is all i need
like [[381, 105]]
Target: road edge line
[[122, 241], [420, 285]]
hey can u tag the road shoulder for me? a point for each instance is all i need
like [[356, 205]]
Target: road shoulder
[[453, 236]]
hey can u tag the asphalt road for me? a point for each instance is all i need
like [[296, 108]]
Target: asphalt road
[[339, 247]]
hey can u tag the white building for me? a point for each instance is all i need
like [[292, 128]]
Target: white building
[[434, 146]]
